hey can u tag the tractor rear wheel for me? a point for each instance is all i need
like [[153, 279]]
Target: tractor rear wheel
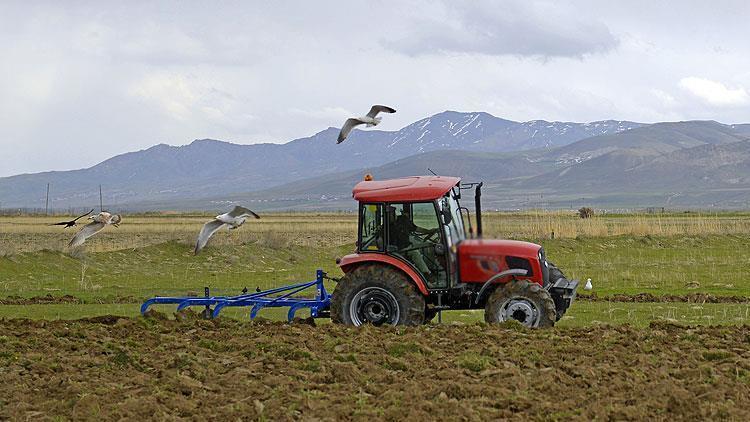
[[525, 302], [377, 295]]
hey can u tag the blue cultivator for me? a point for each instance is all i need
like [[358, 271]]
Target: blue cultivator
[[271, 298]]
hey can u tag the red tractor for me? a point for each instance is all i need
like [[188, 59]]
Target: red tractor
[[414, 259]]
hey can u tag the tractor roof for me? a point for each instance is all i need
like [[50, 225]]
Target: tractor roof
[[414, 188]]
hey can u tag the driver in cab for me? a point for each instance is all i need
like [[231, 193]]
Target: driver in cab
[[403, 236]]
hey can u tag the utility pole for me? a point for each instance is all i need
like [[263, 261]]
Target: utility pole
[[46, 202], [101, 207]]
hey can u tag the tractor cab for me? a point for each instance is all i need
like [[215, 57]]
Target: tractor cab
[[419, 230], [412, 237]]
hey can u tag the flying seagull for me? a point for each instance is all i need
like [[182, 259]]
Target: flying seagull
[[370, 120], [98, 222], [72, 222], [233, 219]]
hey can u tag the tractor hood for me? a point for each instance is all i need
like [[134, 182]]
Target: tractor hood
[[480, 259], [495, 247]]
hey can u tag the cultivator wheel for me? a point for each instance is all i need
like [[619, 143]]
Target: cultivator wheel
[[525, 302], [378, 295]]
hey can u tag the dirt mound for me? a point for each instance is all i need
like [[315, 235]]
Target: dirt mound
[[648, 297], [117, 368], [39, 300], [103, 319]]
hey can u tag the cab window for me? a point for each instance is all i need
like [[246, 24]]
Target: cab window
[[413, 233], [371, 228]]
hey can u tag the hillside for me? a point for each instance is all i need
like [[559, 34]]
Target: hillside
[[169, 174], [687, 164]]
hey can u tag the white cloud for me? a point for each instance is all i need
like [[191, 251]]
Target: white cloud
[[140, 73], [171, 93], [715, 93], [537, 29], [667, 99]]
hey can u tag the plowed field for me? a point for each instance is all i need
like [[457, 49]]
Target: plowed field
[[113, 368]]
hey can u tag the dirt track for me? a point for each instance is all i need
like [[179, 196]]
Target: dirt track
[[111, 368]]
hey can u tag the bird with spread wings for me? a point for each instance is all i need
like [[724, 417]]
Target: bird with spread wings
[[370, 119], [72, 222], [233, 219], [98, 222]]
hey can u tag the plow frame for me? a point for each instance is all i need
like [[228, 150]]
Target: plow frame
[[272, 298]]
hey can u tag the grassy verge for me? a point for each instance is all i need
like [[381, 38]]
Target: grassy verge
[[714, 264], [166, 269]]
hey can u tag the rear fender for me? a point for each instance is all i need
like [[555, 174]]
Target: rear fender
[[350, 262]]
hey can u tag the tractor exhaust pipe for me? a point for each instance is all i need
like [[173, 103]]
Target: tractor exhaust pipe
[[478, 207]]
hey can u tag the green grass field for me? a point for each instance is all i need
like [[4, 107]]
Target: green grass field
[[152, 255]]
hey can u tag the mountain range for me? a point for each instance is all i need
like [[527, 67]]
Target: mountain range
[[524, 164]]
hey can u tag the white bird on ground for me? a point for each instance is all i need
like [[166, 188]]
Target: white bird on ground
[[98, 222], [233, 219], [588, 285], [370, 120]]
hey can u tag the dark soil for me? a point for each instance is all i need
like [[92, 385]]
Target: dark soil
[[114, 368]]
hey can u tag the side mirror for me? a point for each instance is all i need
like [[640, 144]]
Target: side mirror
[[445, 212]]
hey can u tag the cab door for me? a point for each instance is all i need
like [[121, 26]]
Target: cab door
[[416, 236]]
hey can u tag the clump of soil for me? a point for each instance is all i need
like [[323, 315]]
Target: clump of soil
[[39, 300], [152, 368]]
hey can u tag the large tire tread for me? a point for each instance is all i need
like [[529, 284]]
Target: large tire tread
[[411, 302], [524, 289]]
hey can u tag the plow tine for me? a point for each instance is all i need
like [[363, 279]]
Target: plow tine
[[146, 305], [254, 312], [219, 306], [294, 308], [182, 305]]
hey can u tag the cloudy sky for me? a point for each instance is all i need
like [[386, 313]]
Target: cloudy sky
[[83, 81]]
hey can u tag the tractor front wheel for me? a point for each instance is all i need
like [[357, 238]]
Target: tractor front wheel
[[525, 302], [377, 295]]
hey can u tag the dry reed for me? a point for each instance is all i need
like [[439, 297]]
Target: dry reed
[[320, 230]]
